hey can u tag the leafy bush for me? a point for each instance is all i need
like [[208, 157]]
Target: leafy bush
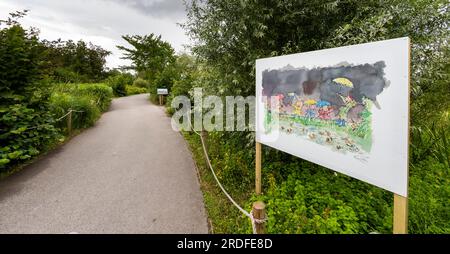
[[101, 92], [189, 75], [25, 132], [66, 75], [29, 105], [92, 99], [135, 90], [119, 82], [26, 126], [63, 102], [297, 205], [139, 82], [178, 76], [28, 129]]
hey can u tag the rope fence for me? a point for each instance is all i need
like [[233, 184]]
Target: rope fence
[[59, 119], [62, 117], [250, 215]]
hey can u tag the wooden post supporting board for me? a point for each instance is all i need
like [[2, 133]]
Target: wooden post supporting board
[[400, 214], [258, 169], [160, 100], [259, 214]]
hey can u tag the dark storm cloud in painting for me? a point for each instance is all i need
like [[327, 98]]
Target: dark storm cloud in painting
[[358, 82]]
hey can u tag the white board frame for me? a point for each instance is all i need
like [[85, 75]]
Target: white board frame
[[387, 172]]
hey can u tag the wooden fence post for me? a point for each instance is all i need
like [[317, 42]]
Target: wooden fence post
[[69, 122], [259, 213], [204, 137], [400, 214], [258, 169]]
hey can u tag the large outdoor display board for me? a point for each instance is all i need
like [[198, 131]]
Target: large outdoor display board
[[344, 108]]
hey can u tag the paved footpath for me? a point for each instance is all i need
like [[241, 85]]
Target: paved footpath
[[130, 173]]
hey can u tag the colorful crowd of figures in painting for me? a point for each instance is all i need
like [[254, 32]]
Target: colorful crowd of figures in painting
[[329, 106]]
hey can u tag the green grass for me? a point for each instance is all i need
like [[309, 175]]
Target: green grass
[[223, 216]]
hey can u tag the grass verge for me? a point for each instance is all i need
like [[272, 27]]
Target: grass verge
[[223, 216]]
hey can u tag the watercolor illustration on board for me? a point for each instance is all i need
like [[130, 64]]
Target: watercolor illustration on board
[[330, 106]]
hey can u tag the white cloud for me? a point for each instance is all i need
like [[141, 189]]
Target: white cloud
[[102, 22]]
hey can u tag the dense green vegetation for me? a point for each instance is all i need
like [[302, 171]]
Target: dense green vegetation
[[119, 82], [31, 100], [87, 100], [70, 61], [40, 81], [302, 197], [155, 63], [26, 124], [131, 90]]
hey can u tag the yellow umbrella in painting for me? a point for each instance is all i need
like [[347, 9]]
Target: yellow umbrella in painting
[[343, 81]]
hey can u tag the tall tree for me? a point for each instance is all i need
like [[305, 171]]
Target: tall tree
[[232, 34], [21, 57], [150, 55], [71, 61]]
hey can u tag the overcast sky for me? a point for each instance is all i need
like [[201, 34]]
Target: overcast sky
[[103, 22]]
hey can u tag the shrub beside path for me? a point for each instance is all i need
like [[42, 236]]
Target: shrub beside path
[[130, 173]]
